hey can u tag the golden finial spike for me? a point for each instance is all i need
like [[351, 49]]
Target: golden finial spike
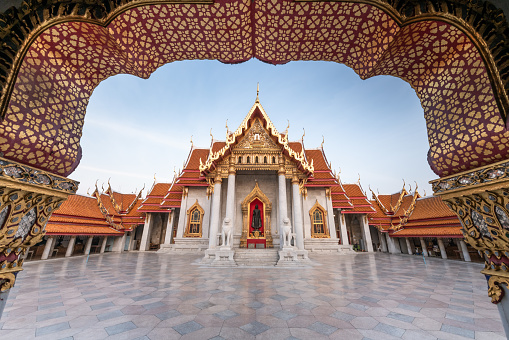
[[424, 192], [303, 134], [192, 144], [404, 184], [211, 134], [323, 141], [410, 189], [339, 173], [359, 179], [88, 191], [257, 91], [154, 177], [416, 186]]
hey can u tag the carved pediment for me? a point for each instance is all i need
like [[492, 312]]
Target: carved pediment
[[256, 138]]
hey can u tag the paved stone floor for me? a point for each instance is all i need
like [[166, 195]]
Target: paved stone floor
[[160, 296]]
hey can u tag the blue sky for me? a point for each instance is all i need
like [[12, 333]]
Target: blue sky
[[137, 127]]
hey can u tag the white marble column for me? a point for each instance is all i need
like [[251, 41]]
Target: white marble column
[[393, 245], [330, 218], [70, 246], [367, 234], [145, 237], [297, 210], [122, 246], [169, 228], [47, 248], [442, 248], [88, 245], [282, 204], [424, 247], [215, 213], [343, 230], [464, 250], [409, 246], [383, 241], [103, 244], [132, 241]]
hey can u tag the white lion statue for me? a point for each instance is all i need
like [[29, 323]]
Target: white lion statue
[[287, 232], [227, 233]]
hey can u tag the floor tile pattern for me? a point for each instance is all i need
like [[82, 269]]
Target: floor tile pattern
[[163, 296]]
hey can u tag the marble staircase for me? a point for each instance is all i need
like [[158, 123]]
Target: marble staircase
[[256, 257]]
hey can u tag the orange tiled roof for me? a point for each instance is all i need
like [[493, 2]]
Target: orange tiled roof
[[159, 189], [77, 205], [431, 207], [295, 146], [353, 190], [318, 159], [76, 219], [65, 229], [429, 232], [216, 146], [194, 158]]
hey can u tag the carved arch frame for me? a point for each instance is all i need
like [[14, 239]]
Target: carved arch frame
[[324, 216], [187, 232], [256, 193]]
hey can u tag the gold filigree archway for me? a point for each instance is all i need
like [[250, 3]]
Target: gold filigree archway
[[257, 193]]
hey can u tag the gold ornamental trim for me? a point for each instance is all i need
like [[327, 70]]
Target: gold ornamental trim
[[267, 210], [490, 177], [21, 176], [269, 127]]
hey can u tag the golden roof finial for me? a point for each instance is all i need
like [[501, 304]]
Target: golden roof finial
[[323, 141], [359, 180], [286, 131], [416, 186], [424, 192], [303, 134], [404, 184], [257, 92], [410, 189], [211, 134], [192, 144], [154, 177]]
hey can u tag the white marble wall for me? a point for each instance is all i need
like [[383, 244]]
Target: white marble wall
[[314, 194]]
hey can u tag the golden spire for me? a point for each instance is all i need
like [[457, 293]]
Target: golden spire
[[359, 180], [211, 134], [257, 92], [323, 141], [286, 131], [303, 134], [192, 144]]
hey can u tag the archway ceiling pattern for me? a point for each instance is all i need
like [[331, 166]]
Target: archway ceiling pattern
[[64, 64]]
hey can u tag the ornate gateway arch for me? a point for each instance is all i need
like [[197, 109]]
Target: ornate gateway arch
[[454, 53]]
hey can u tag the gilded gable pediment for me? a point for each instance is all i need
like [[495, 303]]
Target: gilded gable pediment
[[256, 138]]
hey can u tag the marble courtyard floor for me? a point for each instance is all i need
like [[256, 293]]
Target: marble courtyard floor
[[161, 296]]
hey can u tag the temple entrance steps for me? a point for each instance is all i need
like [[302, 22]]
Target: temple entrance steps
[[267, 257]]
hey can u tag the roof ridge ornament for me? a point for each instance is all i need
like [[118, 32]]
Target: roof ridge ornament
[[257, 92]]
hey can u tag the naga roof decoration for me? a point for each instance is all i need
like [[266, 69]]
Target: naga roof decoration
[[120, 220], [119, 208], [233, 138], [416, 217]]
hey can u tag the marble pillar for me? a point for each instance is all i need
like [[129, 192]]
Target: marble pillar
[[282, 204], [47, 248], [169, 228], [122, 242], [145, 237], [298, 220], [342, 229], [103, 244], [464, 250], [70, 246], [383, 241], [424, 247], [393, 245], [442, 248], [132, 241], [88, 245], [215, 213], [367, 234], [409, 246]]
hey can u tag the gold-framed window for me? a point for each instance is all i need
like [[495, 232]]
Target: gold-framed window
[[194, 221], [318, 217]]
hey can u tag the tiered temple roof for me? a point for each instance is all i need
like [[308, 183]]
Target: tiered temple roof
[[405, 214]]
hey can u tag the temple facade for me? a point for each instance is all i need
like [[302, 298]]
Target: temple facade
[[261, 191]]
